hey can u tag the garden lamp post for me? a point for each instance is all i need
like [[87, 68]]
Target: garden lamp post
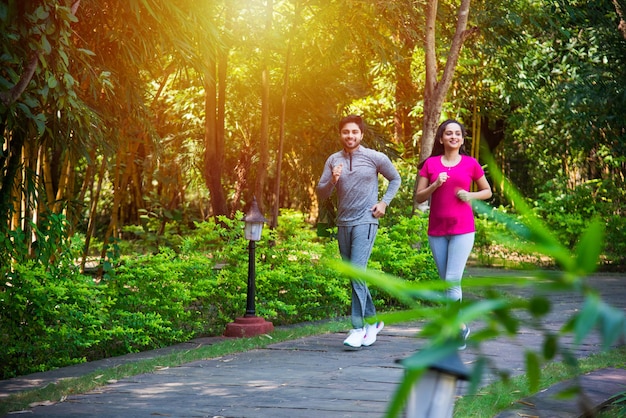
[[254, 227], [250, 324], [433, 396]]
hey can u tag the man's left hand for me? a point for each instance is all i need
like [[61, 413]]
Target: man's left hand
[[378, 210]]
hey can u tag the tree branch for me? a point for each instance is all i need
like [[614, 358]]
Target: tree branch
[[460, 36], [9, 97], [74, 8], [430, 45], [622, 24]]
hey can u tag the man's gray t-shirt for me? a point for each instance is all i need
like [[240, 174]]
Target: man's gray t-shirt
[[357, 188]]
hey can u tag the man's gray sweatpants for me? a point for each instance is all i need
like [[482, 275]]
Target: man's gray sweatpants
[[355, 245]]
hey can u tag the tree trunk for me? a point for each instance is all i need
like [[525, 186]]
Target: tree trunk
[[28, 197], [91, 225], [12, 158], [283, 112], [63, 183], [214, 139], [622, 23], [7, 98], [404, 96], [436, 90], [264, 154], [123, 164]]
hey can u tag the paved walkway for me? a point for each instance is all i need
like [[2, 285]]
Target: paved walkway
[[310, 377]]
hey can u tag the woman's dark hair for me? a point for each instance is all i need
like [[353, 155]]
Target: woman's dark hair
[[438, 146], [352, 119]]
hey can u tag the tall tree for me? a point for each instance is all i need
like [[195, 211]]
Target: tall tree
[[214, 132], [402, 20], [263, 143], [215, 79], [283, 111], [436, 89], [620, 7]]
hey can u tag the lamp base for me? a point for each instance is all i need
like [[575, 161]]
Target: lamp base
[[248, 326]]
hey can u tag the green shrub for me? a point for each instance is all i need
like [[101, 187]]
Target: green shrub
[[48, 320], [293, 284], [402, 249], [615, 248], [153, 295], [198, 284], [567, 212], [495, 246], [50, 314]]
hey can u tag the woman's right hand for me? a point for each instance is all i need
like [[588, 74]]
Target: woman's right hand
[[441, 178]]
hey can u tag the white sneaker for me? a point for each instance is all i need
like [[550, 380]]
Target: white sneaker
[[355, 338], [371, 331]]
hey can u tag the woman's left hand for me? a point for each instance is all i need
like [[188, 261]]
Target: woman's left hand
[[463, 195]]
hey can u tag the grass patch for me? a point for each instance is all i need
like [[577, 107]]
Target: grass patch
[[496, 397], [58, 391], [616, 408], [613, 411]]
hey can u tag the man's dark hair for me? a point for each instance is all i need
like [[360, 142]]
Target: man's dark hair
[[352, 119]]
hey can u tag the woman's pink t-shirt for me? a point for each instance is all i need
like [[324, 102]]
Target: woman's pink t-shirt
[[448, 214]]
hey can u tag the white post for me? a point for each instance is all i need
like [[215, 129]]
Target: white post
[[433, 396]]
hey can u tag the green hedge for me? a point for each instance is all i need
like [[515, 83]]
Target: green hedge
[[51, 315], [49, 320]]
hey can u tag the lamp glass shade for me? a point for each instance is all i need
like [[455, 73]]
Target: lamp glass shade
[[253, 230], [433, 396]]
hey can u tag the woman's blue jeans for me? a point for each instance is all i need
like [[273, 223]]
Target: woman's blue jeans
[[451, 253]]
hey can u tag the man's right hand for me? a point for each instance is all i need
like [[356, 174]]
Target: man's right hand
[[337, 173]]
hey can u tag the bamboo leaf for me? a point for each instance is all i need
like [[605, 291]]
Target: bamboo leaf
[[45, 44], [587, 318], [533, 370], [539, 236], [612, 324], [429, 356], [539, 306], [52, 81], [589, 248], [481, 309], [550, 346], [86, 52]]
